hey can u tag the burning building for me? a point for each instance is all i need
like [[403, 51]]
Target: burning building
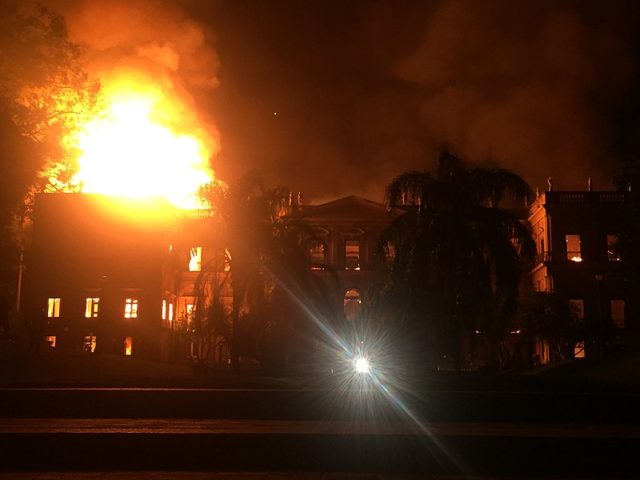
[[148, 279], [577, 237], [139, 277]]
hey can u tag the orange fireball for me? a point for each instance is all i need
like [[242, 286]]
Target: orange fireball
[[136, 148]]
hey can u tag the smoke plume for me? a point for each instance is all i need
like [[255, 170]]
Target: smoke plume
[[530, 86], [150, 41], [338, 98]]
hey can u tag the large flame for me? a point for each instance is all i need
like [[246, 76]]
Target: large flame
[[142, 145]]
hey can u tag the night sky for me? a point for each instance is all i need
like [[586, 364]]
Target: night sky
[[336, 98]]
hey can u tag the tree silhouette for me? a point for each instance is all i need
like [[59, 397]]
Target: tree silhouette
[[44, 92], [458, 255]]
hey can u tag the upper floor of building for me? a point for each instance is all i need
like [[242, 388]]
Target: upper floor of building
[[578, 226]]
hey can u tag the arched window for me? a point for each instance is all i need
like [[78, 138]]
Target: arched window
[[352, 304]]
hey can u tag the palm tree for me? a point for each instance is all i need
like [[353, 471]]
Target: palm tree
[[458, 256], [268, 258], [209, 319], [243, 217], [296, 296], [552, 318]]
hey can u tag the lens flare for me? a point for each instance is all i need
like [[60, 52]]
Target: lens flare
[[135, 148], [361, 365]]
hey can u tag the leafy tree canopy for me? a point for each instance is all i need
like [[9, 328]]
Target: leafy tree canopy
[[44, 96]]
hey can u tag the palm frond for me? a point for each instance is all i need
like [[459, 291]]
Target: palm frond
[[495, 184]]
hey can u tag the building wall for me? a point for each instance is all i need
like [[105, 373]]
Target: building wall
[[84, 247], [590, 274]]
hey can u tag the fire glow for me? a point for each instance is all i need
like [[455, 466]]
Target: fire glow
[[134, 148]]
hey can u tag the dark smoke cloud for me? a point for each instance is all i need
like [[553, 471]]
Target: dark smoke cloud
[[531, 86], [338, 97], [366, 90]]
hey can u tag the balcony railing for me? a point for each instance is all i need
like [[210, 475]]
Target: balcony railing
[[567, 197], [196, 214], [571, 257]]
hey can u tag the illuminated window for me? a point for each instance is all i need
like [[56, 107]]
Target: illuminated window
[[189, 308], [613, 253], [352, 304], [131, 308], [317, 256], [51, 340], [227, 260], [164, 309], [352, 254], [128, 346], [574, 253], [195, 259], [89, 343], [53, 308], [171, 312], [617, 313], [578, 350], [577, 306], [91, 307]]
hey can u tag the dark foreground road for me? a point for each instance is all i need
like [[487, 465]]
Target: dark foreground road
[[152, 475], [382, 448], [300, 404], [439, 435]]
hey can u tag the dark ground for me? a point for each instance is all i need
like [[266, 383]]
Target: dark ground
[[107, 415]]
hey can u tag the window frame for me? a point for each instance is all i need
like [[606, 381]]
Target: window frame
[[53, 307], [357, 243], [195, 259], [91, 307], [573, 255], [131, 307]]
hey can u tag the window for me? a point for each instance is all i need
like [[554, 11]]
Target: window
[[352, 254], [613, 252], [578, 350], [131, 308], [317, 256], [171, 312], [617, 313], [128, 346], [577, 307], [91, 307], [195, 259], [51, 340], [227, 260], [574, 253], [89, 343], [189, 313], [164, 309], [53, 308], [352, 304]]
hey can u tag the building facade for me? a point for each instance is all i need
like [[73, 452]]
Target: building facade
[[139, 279], [577, 235], [132, 279]]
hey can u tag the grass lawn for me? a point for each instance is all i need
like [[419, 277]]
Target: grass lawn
[[60, 368]]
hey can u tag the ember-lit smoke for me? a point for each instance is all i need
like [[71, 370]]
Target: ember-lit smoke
[[337, 98], [153, 63], [532, 86], [365, 90]]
